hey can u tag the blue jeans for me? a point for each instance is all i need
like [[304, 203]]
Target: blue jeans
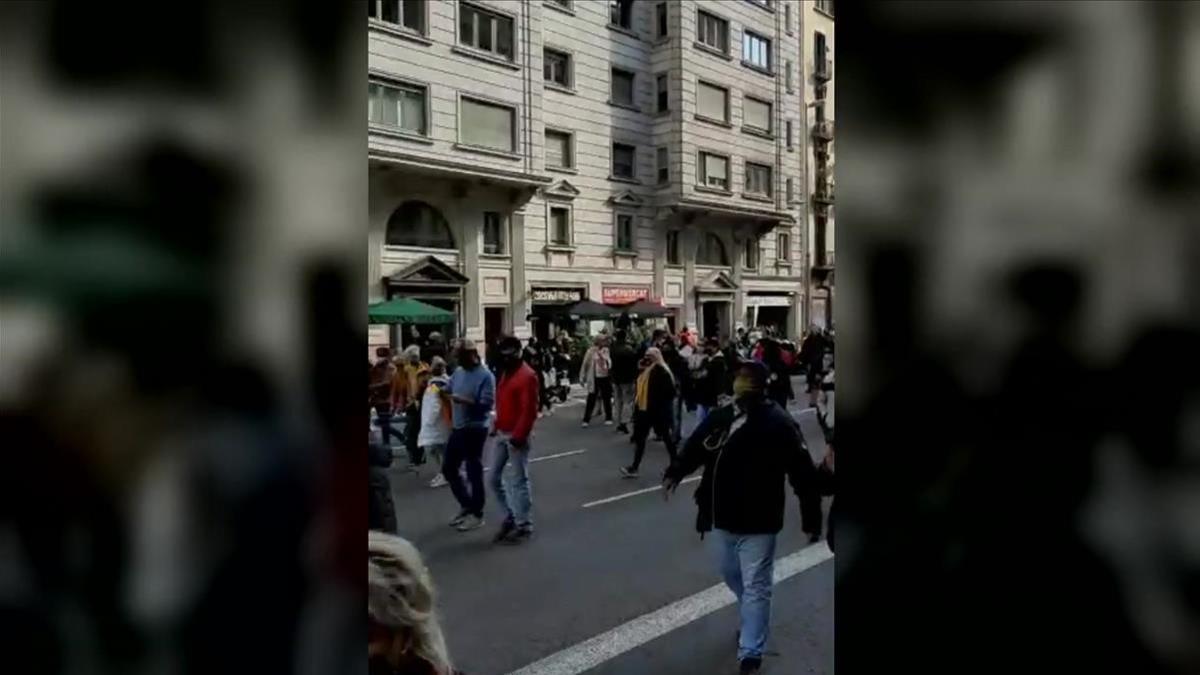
[[466, 446], [510, 481], [702, 412], [747, 562]]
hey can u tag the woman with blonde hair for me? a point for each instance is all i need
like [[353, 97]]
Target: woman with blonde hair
[[653, 398], [404, 636]]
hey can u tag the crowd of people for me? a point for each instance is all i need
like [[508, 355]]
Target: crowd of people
[[451, 403]]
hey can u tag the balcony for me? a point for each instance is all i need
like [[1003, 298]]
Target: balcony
[[823, 130], [823, 192], [824, 71]]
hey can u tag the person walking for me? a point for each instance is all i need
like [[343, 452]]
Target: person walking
[[748, 450], [683, 386], [624, 374], [655, 393], [411, 376], [594, 376], [812, 355], [379, 392], [712, 379], [516, 411], [436, 418], [779, 385], [473, 393]]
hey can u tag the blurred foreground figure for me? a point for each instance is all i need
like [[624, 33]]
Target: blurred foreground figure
[[404, 636]]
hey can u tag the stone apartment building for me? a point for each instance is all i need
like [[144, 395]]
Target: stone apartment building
[[525, 154]]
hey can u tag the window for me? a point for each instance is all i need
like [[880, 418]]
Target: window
[[712, 31], [488, 125], [750, 254], [624, 232], [558, 150], [789, 134], [791, 190], [409, 14], [787, 17], [758, 179], [714, 170], [493, 233], [761, 3], [565, 4], [819, 51], [556, 67], [622, 87], [560, 225], [623, 157], [825, 6], [712, 102], [788, 70], [662, 162], [416, 223], [756, 114], [621, 13], [756, 50], [783, 246], [486, 31], [397, 105], [660, 20], [660, 85], [712, 251], [673, 257]]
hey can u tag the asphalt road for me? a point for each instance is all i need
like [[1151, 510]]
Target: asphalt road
[[591, 569]]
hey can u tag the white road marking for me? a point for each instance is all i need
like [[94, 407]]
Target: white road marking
[[561, 454], [633, 634], [608, 500]]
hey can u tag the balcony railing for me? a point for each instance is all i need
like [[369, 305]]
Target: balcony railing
[[823, 130], [824, 71]]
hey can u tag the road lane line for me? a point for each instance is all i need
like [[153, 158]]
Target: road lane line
[[633, 634], [561, 454], [609, 500]]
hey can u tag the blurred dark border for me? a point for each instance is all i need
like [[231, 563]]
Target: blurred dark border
[[1019, 389]]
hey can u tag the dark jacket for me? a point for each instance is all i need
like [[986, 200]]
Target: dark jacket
[[624, 363], [381, 511], [742, 489], [779, 387], [714, 382], [661, 395], [679, 368]]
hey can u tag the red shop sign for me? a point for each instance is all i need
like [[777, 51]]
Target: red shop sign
[[623, 295]]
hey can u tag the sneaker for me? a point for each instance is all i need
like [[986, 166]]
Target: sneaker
[[608, 423], [519, 535], [469, 523], [584, 425], [750, 666], [458, 520], [629, 472], [622, 429], [438, 481], [506, 528]]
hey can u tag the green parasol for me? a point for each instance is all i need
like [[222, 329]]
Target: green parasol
[[407, 310]]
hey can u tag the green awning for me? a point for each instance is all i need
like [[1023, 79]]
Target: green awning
[[407, 310]]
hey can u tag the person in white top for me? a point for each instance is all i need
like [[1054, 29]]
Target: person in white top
[[593, 375], [435, 417]]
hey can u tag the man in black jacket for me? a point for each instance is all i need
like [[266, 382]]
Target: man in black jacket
[[747, 450], [712, 380], [624, 372]]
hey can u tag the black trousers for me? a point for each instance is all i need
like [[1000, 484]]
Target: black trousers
[[643, 422], [466, 447], [384, 413], [412, 429], [603, 391]]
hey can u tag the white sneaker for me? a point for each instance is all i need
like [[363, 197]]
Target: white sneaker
[[459, 519], [584, 425], [608, 423], [470, 523], [438, 481]]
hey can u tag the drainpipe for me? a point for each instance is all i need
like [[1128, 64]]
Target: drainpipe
[[806, 202]]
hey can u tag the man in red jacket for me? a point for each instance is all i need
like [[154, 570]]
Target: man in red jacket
[[516, 410]]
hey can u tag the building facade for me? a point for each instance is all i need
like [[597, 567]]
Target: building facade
[[817, 56], [528, 154]]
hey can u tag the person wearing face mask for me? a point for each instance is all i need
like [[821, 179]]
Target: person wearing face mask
[[748, 451], [473, 392], [655, 391], [516, 410]]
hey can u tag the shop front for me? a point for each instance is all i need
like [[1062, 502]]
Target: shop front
[[548, 305], [769, 310]]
